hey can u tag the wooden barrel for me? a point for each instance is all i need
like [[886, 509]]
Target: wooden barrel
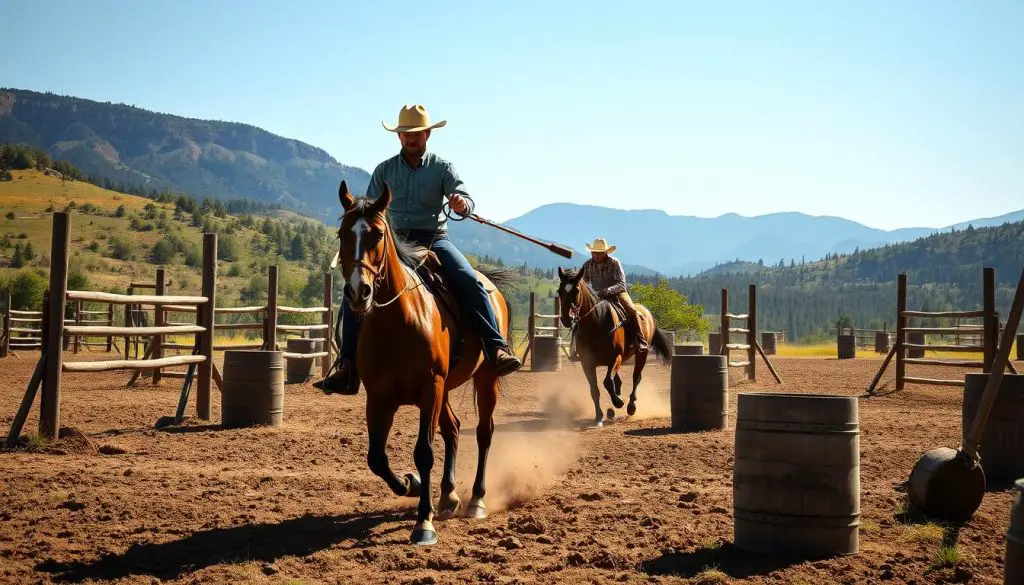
[[699, 392], [1020, 346], [1002, 442], [847, 347], [918, 339], [688, 349], [796, 476], [769, 341], [882, 342], [714, 343], [546, 354], [253, 392], [1013, 567], [300, 370]]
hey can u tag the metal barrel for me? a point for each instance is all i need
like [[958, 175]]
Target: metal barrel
[[699, 392], [253, 392], [796, 476], [847, 347], [300, 370], [546, 354], [769, 342], [882, 342], [1002, 442]]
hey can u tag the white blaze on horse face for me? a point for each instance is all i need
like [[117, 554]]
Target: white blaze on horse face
[[360, 229]]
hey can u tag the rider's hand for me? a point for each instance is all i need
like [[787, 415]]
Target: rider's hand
[[458, 203]]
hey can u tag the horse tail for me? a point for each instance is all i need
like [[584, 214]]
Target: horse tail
[[510, 337], [661, 345]]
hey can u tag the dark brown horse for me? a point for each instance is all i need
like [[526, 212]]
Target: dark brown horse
[[404, 356], [601, 340]]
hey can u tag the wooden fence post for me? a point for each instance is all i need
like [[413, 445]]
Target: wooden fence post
[[901, 325], [325, 363], [724, 334], [77, 308], [990, 324], [159, 318], [271, 315], [205, 315], [5, 344], [49, 410], [110, 323], [752, 330]]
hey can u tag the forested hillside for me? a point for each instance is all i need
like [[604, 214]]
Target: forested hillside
[[807, 299]]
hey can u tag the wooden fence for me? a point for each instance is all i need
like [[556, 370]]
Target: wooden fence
[[983, 339]]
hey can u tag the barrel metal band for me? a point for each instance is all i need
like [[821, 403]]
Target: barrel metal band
[[784, 427], [791, 520]]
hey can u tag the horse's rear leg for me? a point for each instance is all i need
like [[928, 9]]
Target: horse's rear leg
[[485, 385], [450, 426], [379, 419], [639, 361]]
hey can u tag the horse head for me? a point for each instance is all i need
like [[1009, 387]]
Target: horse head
[[568, 295], [363, 237]]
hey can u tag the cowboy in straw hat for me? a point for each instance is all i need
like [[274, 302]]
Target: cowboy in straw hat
[[608, 279], [420, 182]]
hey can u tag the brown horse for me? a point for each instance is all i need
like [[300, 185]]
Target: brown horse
[[404, 355], [601, 340]]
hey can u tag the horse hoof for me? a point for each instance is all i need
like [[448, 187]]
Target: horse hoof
[[449, 507], [413, 481], [423, 534], [476, 509], [610, 413], [617, 402], [631, 409]]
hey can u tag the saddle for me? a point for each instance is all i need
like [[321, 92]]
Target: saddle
[[434, 280]]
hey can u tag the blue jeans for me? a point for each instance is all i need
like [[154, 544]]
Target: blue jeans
[[469, 293]]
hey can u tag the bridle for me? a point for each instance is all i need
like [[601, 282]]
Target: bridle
[[379, 272]]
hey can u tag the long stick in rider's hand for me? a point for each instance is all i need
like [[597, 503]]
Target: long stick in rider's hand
[[556, 248]]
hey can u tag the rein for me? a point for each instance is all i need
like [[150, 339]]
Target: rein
[[576, 317]]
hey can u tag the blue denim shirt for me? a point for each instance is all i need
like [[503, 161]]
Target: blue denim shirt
[[417, 193]]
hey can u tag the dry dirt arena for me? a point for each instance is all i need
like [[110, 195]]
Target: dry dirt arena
[[631, 502]]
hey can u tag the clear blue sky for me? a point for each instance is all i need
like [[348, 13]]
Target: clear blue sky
[[889, 113]]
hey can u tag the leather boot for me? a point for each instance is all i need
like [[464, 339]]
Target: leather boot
[[505, 362], [641, 341], [342, 380]]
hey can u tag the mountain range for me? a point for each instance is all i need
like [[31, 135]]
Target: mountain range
[[227, 160]]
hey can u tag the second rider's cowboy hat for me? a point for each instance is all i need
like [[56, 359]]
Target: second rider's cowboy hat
[[600, 245], [413, 119]]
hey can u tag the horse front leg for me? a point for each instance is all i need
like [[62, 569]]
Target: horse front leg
[[485, 385], [590, 370], [609, 383], [423, 455], [379, 418], [450, 426]]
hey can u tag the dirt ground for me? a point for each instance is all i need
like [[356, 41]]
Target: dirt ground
[[631, 502]]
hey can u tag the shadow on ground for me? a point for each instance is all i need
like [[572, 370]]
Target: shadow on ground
[[253, 542], [726, 558]]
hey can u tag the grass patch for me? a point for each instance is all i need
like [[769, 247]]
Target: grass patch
[[710, 576], [923, 533], [948, 556], [710, 544], [869, 526]]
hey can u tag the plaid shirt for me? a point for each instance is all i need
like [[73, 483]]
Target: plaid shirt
[[608, 279]]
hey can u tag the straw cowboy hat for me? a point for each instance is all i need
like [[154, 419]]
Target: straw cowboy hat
[[413, 119], [600, 245]]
